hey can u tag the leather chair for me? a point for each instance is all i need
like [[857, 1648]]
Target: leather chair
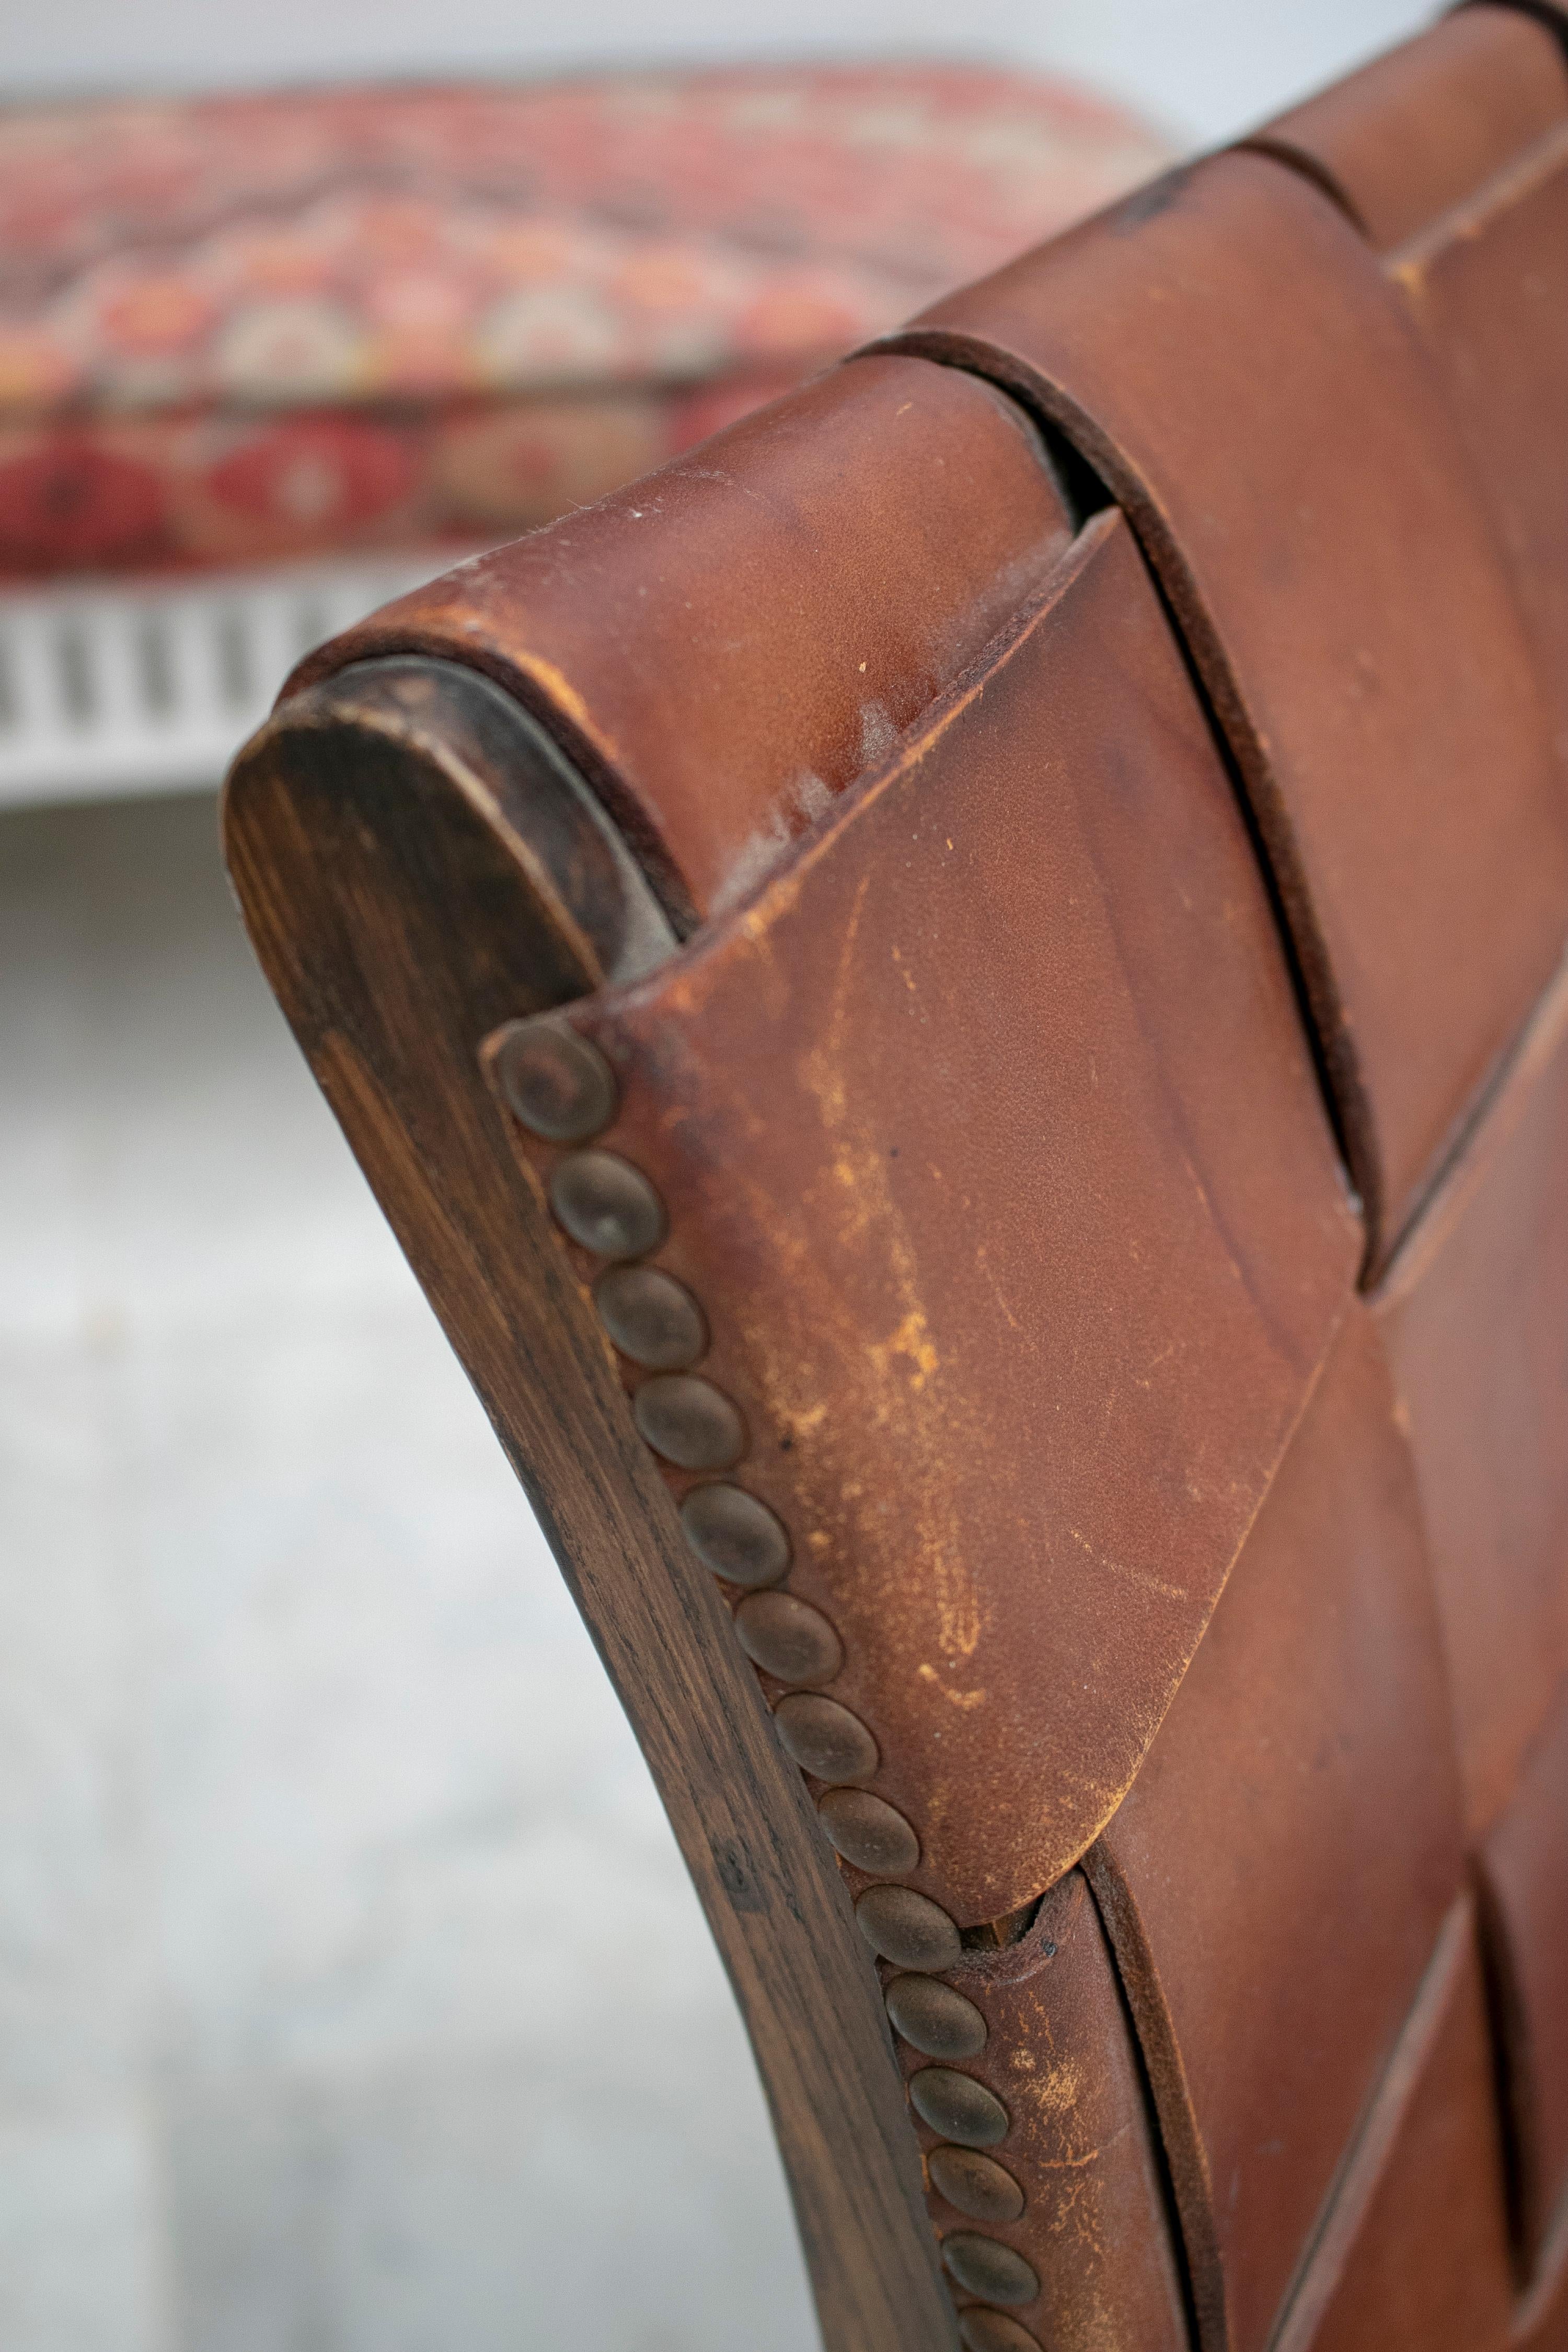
[[958, 999]]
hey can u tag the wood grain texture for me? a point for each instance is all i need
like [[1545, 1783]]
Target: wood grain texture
[[399, 927]]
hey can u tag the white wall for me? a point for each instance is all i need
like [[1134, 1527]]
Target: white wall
[[353, 1996], [1206, 68]]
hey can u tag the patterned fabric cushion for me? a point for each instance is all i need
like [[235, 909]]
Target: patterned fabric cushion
[[250, 327]]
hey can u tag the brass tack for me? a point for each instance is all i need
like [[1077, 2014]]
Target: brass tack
[[825, 1738], [688, 1420], [993, 2331], [651, 1317], [985, 2266], [935, 2019], [788, 1638], [555, 1081], [735, 1535], [869, 1833], [907, 1928], [958, 2107], [606, 1204], [974, 2184]]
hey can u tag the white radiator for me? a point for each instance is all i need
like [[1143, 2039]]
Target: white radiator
[[149, 685]]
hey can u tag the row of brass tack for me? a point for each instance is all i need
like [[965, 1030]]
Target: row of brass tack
[[560, 1088]]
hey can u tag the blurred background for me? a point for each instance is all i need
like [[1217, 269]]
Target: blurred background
[[352, 1997]]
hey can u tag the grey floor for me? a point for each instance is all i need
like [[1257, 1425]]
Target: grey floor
[[352, 1997]]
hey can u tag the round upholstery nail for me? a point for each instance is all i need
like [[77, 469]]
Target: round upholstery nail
[[734, 1535], [869, 1833], [936, 2021], [975, 2184], [651, 1317], [557, 1083], [789, 1638], [907, 1928], [985, 2266], [958, 2107], [993, 2331], [688, 1420], [825, 1738], [606, 1204]]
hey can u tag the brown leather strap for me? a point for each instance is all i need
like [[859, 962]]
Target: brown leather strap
[[1552, 14], [1225, 349], [723, 648], [1328, 1887], [1012, 1094], [1417, 130]]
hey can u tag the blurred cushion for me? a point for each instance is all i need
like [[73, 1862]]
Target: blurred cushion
[[245, 328]]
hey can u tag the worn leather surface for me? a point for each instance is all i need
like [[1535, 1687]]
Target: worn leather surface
[[1278, 1874], [1415, 2251], [1543, 2322], [1484, 286], [1484, 1396], [1451, 153], [1414, 132], [1551, 13], [963, 1259], [1226, 351], [1524, 1876], [1060, 2054], [1193, 1524], [725, 645]]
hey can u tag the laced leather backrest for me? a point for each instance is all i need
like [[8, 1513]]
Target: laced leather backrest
[[958, 1001]]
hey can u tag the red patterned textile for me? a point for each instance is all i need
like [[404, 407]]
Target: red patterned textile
[[244, 328]]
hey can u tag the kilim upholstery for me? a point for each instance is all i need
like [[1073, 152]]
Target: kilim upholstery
[[244, 328]]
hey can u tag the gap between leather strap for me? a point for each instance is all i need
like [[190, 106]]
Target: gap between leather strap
[[1278, 150], [1329, 1093], [1174, 2129], [1510, 2077], [1363, 2164]]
